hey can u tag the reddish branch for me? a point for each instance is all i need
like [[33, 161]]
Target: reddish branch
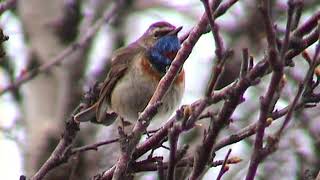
[[214, 27], [59, 156], [255, 73], [151, 165], [163, 86], [202, 158], [204, 151], [259, 70], [276, 61], [308, 26], [173, 140], [252, 128], [156, 164], [236, 137], [153, 141], [245, 63], [224, 168], [233, 96], [273, 141], [289, 114], [306, 84], [94, 146], [220, 51]]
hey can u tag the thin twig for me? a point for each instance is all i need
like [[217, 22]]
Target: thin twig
[[256, 72], [58, 156], [276, 61], [173, 140], [297, 14], [290, 112], [308, 25], [245, 63], [285, 44], [151, 165], [303, 44], [94, 146], [265, 9], [214, 27], [219, 51], [223, 166], [164, 84]]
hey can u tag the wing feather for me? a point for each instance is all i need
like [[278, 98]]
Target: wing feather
[[121, 61]]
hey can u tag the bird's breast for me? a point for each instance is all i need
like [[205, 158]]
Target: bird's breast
[[153, 74], [134, 90]]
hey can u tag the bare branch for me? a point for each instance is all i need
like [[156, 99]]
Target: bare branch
[[163, 86], [266, 105], [224, 168], [94, 146], [173, 140]]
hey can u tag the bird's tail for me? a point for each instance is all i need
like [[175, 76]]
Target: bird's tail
[[100, 116], [103, 113], [87, 114]]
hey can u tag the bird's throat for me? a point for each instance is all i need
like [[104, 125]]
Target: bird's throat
[[163, 52]]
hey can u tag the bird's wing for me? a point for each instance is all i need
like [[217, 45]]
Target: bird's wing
[[120, 62]]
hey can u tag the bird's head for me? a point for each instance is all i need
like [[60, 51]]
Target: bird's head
[[156, 31], [162, 44]]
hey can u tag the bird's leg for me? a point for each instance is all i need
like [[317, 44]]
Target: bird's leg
[[124, 123]]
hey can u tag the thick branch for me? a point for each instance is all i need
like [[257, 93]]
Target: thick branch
[[276, 61]]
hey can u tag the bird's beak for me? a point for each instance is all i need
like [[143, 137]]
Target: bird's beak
[[175, 31]]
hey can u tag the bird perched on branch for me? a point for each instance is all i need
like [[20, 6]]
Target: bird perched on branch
[[134, 75]]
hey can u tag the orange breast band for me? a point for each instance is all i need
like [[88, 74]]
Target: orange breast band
[[147, 68]]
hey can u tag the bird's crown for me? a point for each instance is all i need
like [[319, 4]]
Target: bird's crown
[[156, 31], [159, 29], [162, 44]]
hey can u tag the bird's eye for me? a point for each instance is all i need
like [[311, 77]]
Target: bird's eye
[[156, 34]]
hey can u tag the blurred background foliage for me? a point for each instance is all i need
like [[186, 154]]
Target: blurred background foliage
[[32, 116]]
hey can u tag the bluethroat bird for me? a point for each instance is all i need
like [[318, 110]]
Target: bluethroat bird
[[134, 75]]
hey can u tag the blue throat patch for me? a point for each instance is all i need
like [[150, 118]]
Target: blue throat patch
[[159, 53]]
